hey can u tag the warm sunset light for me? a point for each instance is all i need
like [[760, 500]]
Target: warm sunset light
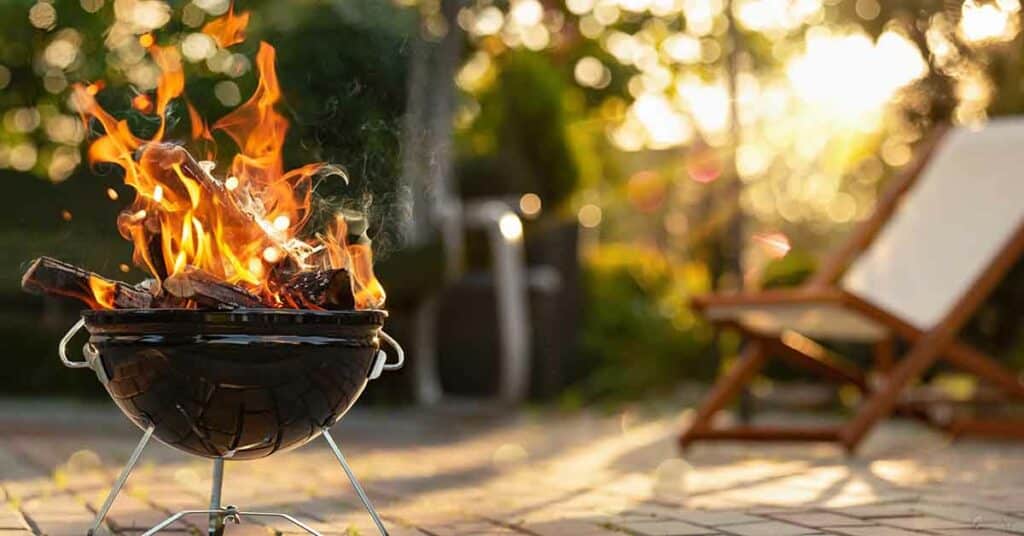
[[652, 267]]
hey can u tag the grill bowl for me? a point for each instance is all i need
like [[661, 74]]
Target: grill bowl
[[239, 384]]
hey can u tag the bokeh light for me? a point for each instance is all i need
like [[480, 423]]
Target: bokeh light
[[530, 205], [589, 215]]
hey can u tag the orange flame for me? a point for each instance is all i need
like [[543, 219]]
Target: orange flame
[[229, 29], [358, 260], [103, 292], [242, 227]]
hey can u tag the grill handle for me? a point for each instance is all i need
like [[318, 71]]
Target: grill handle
[[381, 363], [88, 349]]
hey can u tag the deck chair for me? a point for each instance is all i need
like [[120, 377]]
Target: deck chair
[[941, 238]]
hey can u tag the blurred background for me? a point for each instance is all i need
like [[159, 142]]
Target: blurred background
[[548, 183]]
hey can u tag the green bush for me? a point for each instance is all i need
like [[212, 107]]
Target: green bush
[[639, 334], [789, 271], [519, 142]]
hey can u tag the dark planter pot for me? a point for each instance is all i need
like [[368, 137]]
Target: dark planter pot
[[468, 338]]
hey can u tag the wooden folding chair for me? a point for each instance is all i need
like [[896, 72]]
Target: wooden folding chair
[[941, 238]]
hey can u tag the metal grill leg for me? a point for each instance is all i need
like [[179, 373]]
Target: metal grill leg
[[134, 459], [355, 482], [216, 519]]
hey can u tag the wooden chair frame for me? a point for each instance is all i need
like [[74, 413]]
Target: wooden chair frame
[[882, 398]]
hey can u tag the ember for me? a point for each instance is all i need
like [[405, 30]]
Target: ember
[[237, 238]]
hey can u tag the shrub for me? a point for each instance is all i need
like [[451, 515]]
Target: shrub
[[639, 334]]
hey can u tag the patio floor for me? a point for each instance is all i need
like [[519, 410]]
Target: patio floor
[[459, 470]]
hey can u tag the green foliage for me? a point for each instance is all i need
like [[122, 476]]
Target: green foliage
[[789, 271], [519, 142], [639, 334]]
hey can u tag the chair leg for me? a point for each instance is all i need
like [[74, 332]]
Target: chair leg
[[750, 361], [884, 354], [114, 491], [355, 483], [882, 402]]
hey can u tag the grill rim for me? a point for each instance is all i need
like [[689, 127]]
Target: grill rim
[[239, 318]]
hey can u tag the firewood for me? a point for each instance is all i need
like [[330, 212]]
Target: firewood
[[161, 299], [47, 275], [154, 246], [327, 289], [158, 158], [208, 291]]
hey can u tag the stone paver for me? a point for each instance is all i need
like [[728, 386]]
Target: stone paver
[[972, 532], [821, 519], [464, 470], [877, 531], [664, 528], [712, 518], [590, 527], [770, 528], [923, 523]]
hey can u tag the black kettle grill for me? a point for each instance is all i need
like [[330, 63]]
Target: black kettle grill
[[233, 385]]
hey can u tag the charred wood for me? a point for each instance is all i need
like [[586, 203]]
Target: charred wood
[[208, 291], [47, 275], [326, 289]]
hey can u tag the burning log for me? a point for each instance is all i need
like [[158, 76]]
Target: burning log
[[47, 275], [327, 289], [208, 291], [160, 158], [161, 299]]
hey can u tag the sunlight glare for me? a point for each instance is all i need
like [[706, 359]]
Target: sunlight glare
[[989, 22], [848, 75]]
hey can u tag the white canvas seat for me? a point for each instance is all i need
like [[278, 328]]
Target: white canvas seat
[[823, 321], [958, 216]]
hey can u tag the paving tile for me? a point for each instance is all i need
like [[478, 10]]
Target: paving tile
[[769, 528], [467, 528], [869, 511], [567, 526], [966, 514], [972, 532], [922, 523], [819, 519], [717, 518], [665, 528], [62, 524], [1012, 527], [877, 530], [10, 518]]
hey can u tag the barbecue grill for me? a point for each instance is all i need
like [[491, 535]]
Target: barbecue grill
[[233, 385]]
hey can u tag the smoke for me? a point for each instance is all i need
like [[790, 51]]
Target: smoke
[[362, 174]]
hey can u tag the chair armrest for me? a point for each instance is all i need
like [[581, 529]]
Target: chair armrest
[[769, 297]]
